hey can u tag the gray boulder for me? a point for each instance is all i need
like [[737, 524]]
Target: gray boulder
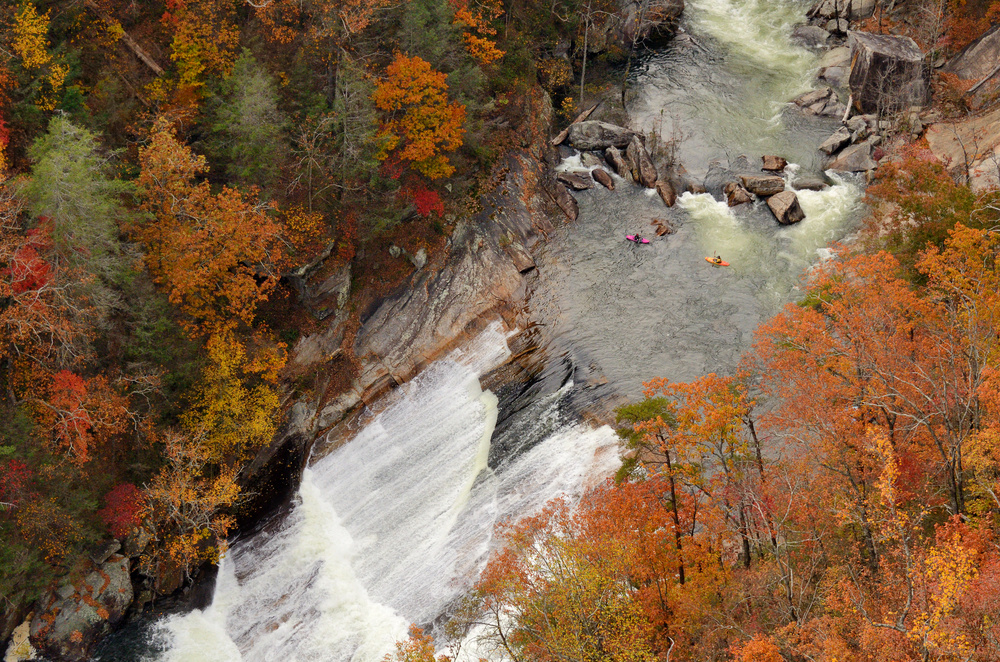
[[590, 160], [888, 72], [72, 618], [785, 207], [763, 185], [617, 161], [603, 178], [856, 158], [840, 137], [565, 201], [809, 183], [834, 66], [811, 36], [849, 9], [837, 26], [592, 134], [979, 59], [643, 170]]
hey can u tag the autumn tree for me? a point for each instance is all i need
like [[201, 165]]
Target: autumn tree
[[420, 123], [213, 252]]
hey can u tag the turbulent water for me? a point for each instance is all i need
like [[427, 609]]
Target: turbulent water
[[392, 527]]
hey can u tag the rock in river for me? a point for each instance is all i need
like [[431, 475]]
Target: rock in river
[[763, 185], [785, 207], [598, 135], [736, 194], [856, 158], [603, 178], [578, 181], [618, 162], [773, 163], [667, 192], [641, 165]]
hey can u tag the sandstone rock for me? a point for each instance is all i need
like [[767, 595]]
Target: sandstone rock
[[736, 194], [667, 192], [785, 207], [523, 261], [840, 137], [603, 178], [834, 66], [812, 98], [565, 201], [773, 163], [618, 162], [849, 9], [578, 181], [888, 72], [856, 158], [643, 170], [73, 618], [763, 185], [979, 59], [810, 35], [592, 134], [663, 227]]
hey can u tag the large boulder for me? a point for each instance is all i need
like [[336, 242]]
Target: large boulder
[[565, 201], [617, 161], [887, 72], [979, 64], [785, 207], [969, 149], [840, 137], [72, 618], [856, 158], [598, 135], [578, 181], [849, 9], [667, 192], [763, 185], [643, 170], [834, 66], [603, 178], [810, 35], [773, 163], [736, 194]]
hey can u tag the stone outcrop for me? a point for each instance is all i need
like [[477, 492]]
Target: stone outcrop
[[856, 158], [785, 207], [598, 135], [643, 170], [763, 185], [823, 101], [979, 63], [969, 149], [835, 142], [72, 618], [849, 9], [834, 66], [887, 72]]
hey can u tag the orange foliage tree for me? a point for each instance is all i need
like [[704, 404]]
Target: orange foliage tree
[[213, 252], [477, 17], [420, 123]]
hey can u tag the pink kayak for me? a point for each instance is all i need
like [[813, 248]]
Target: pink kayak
[[636, 240]]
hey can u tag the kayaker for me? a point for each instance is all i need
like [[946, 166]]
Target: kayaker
[[638, 238], [717, 259]]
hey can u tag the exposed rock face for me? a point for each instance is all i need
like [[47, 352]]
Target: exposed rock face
[[979, 62], [617, 161], [598, 135], [952, 144], [603, 178], [75, 616], [578, 181], [856, 158], [840, 137], [888, 72], [331, 294], [849, 9], [667, 192], [763, 185], [785, 207], [643, 170], [834, 66], [773, 163], [736, 194], [649, 21]]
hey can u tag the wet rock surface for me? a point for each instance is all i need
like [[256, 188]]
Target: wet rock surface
[[785, 207]]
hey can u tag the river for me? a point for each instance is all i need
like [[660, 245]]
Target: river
[[392, 527]]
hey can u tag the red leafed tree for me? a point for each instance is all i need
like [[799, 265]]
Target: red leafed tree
[[123, 509]]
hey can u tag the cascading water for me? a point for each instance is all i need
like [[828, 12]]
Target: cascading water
[[392, 527]]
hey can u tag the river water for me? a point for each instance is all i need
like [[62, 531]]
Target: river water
[[392, 527]]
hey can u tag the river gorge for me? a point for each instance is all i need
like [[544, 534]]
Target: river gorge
[[391, 527]]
